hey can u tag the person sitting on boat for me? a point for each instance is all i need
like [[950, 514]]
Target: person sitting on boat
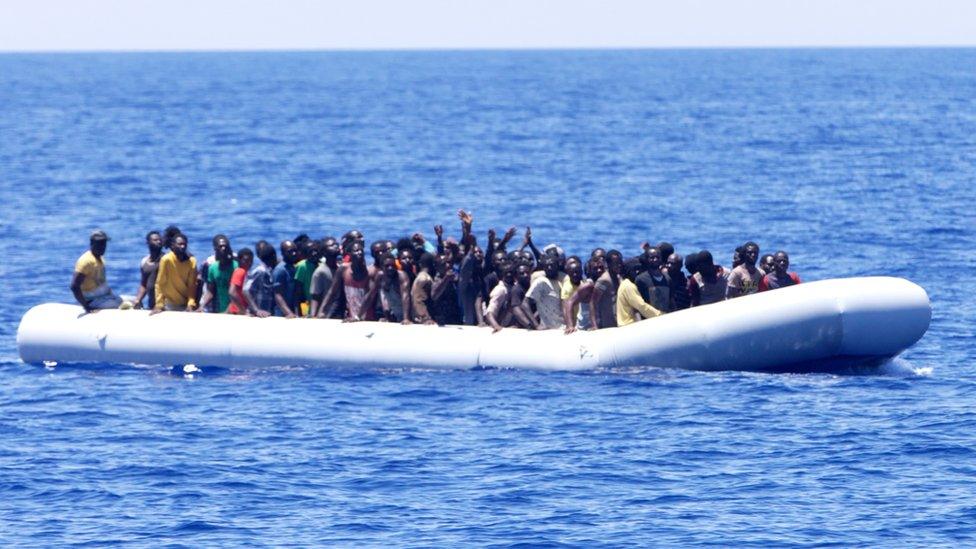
[[680, 298], [780, 277], [394, 292], [445, 300], [421, 292], [176, 281], [235, 291], [706, 285], [284, 283], [353, 282], [766, 264], [745, 277], [88, 284], [605, 291], [653, 283], [629, 301], [499, 314], [575, 294], [259, 288], [303, 274], [322, 278], [218, 278], [148, 268], [546, 293]]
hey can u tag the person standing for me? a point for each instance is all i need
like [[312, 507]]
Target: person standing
[[546, 292], [629, 301], [176, 282], [148, 268], [284, 283], [781, 277], [219, 274], [88, 284], [745, 277]]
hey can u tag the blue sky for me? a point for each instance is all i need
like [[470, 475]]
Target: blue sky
[[45, 25]]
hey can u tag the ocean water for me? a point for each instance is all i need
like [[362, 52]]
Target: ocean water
[[858, 162]]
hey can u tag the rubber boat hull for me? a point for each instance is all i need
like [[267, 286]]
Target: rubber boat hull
[[824, 324]]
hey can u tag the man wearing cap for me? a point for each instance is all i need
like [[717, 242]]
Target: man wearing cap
[[88, 283]]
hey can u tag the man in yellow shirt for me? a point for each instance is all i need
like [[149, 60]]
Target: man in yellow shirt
[[88, 283], [629, 300], [176, 281]]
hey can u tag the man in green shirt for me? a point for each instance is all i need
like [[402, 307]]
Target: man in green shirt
[[218, 276]]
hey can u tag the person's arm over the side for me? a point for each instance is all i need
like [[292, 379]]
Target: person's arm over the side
[[333, 293], [77, 279]]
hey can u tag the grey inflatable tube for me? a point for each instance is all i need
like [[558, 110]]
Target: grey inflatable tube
[[830, 322]]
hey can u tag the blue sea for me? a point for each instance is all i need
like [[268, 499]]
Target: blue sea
[[857, 162]]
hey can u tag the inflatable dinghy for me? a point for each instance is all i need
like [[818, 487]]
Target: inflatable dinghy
[[813, 326]]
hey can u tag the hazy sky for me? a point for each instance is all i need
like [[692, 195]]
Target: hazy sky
[[391, 24]]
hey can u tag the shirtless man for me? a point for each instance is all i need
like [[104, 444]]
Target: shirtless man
[[422, 291], [352, 279], [394, 292], [148, 268]]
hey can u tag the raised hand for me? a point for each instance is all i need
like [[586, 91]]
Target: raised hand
[[465, 217], [528, 235], [510, 233], [439, 231], [491, 235]]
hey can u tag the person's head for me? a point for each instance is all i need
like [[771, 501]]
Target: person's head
[[245, 258], [443, 264], [705, 265], [179, 246], [737, 257], [598, 252], [691, 263], [498, 256], [651, 259], [630, 269], [506, 272], [666, 249], [169, 234], [300, 242], [377, 249], [750, 253], [781, 262], [478, 254], [406, 258], [350, 237], [595, 267], [615, 261], [389, 265], [403, 244], [426, 262], [523, 275], [217, 237], [550, 265], [289, 252], [674, 264], [313, 251], [266, 253], [767, 264], [574, 269], [222, 249], [356, 254], [98, 242], [329, 247], [154, 241]]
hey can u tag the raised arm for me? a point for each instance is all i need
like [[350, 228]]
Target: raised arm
[[527, 241]]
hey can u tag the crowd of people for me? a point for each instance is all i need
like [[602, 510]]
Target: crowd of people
[[413, 280]]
